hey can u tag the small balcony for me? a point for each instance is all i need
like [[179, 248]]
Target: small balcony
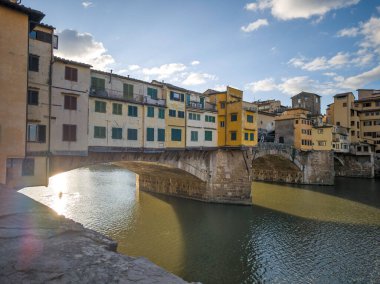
[[197, 105]]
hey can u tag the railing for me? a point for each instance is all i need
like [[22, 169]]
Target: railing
[[114, 94], [197, 105]]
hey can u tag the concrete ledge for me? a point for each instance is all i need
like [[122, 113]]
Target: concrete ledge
[[38, 246]]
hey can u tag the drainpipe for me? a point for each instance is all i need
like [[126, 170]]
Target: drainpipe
[[49, 115]]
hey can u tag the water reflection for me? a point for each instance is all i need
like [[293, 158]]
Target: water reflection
[[291, 235], [310, 204]]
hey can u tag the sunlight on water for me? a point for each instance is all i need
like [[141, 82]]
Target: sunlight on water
[[309, 204]]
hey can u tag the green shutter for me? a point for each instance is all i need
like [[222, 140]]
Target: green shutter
[[194, 135], [150, 134], [98, 84], [117, 108], [161, 113], [117, 133], [161, 135], [128, 91], [176, 134], [208, 135], [150, 112], [132, 134]]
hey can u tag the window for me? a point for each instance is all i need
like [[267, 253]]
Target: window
[[41, 36], [69, 132], [150, 112], [131, 134], [194, 135], [36, 133], [344, 104], [70, 103], [233, 135], [98, 84], [209, 118], [152, 93], [208, 135], [352, 133], [117, 109], [250, 118], [181, 114], [99, 132], [150, 134], [28, 167], [117, 133], [127, 91], [161, 113], [161, 135], [194, 116], [34, 62], [246, 136], [233, 116], [367, 104], [100, 106], [367, 123], [222, 105], [33, 97], [222, 124], [320, 131], [352, 123], [338, 123], [132, 111], [172, 113], [176, 96], [71, 74], [176, 134], [251, 136]]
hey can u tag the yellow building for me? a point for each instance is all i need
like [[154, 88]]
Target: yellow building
[[294, 128], [368, 106], [16, 22], [237, 120], [322, 137]]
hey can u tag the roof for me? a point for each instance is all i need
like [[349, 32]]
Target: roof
[[122, 77], [267, 113], [35, 16], [211, 92], [67, 61], [46, 26], [306, 93], [173, 87], [343, 94]]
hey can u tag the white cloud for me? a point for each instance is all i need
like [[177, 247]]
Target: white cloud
[[260, 5], [195, 62], [220, 88], [293, 9], [82, 47], [330, 74], [133, 67], [164, 71], [87, 4], [348, 32], [360, 80], [292, 86], [198, 79], [265, 85], [321, 63], [254, 25], [371, 32]]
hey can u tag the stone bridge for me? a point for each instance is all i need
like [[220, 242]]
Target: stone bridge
[[283, 163], [224, 175]]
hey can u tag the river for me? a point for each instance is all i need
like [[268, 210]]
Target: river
[[292, 234]]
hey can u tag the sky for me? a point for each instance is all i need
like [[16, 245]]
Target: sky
[[270, 49]]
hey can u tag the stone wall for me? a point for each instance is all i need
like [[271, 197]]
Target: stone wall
[[318, 167], [347, 165]]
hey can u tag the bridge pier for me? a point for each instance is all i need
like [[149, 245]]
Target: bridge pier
[[228, 180]]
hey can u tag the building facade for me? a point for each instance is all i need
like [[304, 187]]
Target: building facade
[[294, 128], [237, 120], [309, 101]]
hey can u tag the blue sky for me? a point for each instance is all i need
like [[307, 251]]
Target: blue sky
[[268, 48]]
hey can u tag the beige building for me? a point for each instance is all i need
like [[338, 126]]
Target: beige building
[[270, 106], [322, 137], [16, 22], [69, 110], [175, 116], [125, 113], [341, 141], [294, 128], [368, 106]]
